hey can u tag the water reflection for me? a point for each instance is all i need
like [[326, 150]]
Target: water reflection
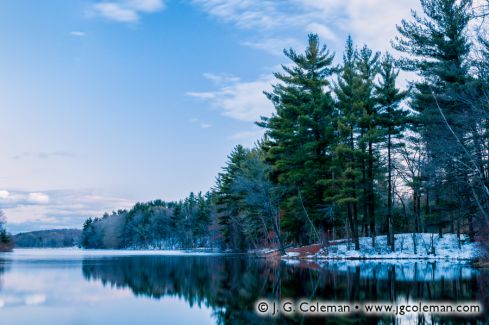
[[2, 270], [231, 285], [39, 290]]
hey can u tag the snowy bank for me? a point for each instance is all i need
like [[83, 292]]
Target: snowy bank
[[428, 246]]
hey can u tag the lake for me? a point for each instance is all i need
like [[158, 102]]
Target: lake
[[70, 286]]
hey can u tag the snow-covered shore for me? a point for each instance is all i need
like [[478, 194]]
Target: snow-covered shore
[[428, 246]]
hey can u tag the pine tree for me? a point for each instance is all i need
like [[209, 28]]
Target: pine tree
[[393, 122], [368, 69], [201, 218], [227, 201], [347, 151], [438, 49], [299, 134]]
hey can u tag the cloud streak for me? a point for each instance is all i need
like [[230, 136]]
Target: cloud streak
[[330, 19], [44, 155], [240, 100], [203, 125], [77, 33], [128, 11], [10, 199], [247, 138], [28, 211]]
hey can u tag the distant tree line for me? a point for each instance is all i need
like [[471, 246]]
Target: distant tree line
[[54, 238], [347, 153], [189, 223]]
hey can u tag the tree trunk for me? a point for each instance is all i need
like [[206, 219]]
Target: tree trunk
[[389, 193], [353, 219], [279, 236], [371, 195], [316, 234], [353, 227], [365, 211]]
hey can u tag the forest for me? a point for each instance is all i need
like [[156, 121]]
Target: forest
[[350, 150], [52, 238]]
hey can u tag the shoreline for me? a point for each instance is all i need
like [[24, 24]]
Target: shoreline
[[424, 247]]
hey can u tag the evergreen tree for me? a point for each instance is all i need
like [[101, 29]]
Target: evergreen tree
[[260, 197], [438, 49], [392, 121], [299, 135], [368, 68], [346, 168], [227, 202], [202, 218]]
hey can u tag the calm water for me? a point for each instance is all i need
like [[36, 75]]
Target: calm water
[[107, 287]]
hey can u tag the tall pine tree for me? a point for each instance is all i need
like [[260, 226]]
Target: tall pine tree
[[298, 136], [346, 168], [368, 68], [392, 120], [437, 46]]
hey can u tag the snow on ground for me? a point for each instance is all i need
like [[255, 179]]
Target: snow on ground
[[292, 254], [446, 247], [262, 251]]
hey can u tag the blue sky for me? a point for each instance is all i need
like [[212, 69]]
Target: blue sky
[[105, 103]]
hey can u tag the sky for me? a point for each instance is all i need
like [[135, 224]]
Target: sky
[[107, 103]]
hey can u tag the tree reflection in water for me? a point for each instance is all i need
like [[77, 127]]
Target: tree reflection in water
[[232, 285], [3, 267]]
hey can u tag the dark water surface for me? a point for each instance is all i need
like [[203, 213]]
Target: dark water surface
[[113, 287]]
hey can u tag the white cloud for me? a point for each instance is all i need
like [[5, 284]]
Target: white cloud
[[9, 198], [203, 95], [220, 78], [242, 101], [44, 155], [146, 5], [245, 135], [323, 31], [373, 26], [332, 19], [247, 138], [33, 214], [77, 33], [35, 299], [38, 198], [4, 194], [117, 12], [202, 124], [127, 11], [245, 14], [26, 211], [274, 46]]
